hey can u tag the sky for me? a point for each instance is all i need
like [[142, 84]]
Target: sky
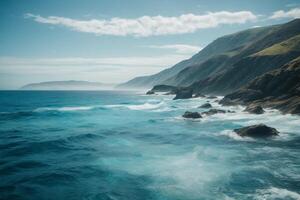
[[112, 41]]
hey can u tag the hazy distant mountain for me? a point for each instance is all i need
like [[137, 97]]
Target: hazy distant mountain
[[67, 85]]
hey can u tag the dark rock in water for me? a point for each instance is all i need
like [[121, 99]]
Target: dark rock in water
[[150, 92], [193, 115], [163, 88], [230, 111], [183, 93], [212, 97], [257, 131], [206, 105], [198, 95], [213, 111], [254, 109]]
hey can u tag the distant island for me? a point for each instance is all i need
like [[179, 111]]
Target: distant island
[[67, 85]]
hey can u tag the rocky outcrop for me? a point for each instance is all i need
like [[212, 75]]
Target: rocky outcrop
[[150, 92], [213, 111], [183, 93], [279, 89], [163, 88], [254, 109], [206, 105], [257, 131], [192, 115]]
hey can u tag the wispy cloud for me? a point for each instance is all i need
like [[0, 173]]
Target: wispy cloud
[[148, 25], [179, 48], [292, 13]]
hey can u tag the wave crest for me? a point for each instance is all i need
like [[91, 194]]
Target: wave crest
[[70, 109]]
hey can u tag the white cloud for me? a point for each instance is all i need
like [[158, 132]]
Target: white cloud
[[149, 25], [179, 48], [293, 13]]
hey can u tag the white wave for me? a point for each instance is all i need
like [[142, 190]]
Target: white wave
[[276, 193], [62, 109], [145, 106], [231, 134]]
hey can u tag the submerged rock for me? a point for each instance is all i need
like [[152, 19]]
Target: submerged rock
[[254, 109], [213, 111], [150, 92], [257, 131], [193, 115], [206, 105], [183, 93]]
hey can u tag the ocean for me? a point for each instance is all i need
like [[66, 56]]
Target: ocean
[[126, 145]]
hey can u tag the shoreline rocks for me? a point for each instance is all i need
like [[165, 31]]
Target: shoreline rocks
[[150, 92], [278, 89], [192, 115], [257, 131]]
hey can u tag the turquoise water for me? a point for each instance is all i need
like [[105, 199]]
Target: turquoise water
[[125, 145]]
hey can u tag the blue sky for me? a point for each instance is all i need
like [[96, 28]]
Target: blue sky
[[114, 40]]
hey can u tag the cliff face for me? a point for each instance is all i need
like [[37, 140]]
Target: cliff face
[[242, 72], [279, 46], [278, 89]]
